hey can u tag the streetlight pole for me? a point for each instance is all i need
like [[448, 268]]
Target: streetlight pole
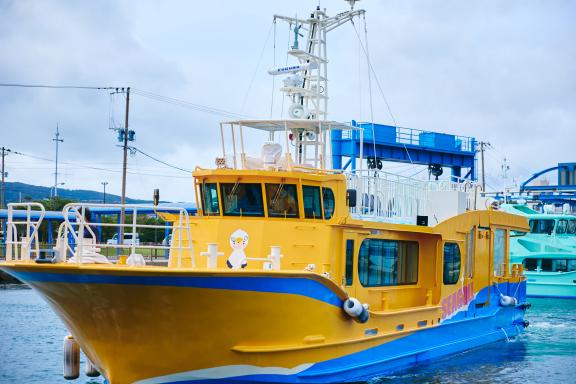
[[4, 152], [57, 140], [104, 184]]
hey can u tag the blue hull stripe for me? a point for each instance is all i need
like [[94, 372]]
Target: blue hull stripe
[[291, 285], [422, 346]]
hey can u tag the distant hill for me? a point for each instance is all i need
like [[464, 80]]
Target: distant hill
[[14, 192]]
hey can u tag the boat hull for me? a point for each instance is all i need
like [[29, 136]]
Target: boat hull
[[151, 326], [551, 284]]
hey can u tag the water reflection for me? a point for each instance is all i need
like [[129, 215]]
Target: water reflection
[[31, 349]]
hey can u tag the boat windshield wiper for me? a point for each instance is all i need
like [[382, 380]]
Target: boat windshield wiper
[[277, 194], [233, 190]]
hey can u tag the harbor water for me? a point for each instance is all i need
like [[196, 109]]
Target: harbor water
[[31, 348]]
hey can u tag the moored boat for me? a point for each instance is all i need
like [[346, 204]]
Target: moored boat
[[291, 271], [547, 252]]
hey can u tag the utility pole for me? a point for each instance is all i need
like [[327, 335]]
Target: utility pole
[[57, 140], [124, 169], [4, 153], [104, 184], [483, 146], [505, 168]]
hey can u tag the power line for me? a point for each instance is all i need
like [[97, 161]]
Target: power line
[[258, 65], [372, 71], [187, 104], [369, 62], [147, 94], [54, 86], [160, 161], [98, 168], [420, 171]]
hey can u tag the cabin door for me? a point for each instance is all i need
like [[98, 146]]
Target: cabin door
[[482, 270]]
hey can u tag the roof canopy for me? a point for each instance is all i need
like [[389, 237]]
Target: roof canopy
[[281, 125]]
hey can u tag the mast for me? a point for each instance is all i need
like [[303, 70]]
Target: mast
[[307, 84], [307, 87]]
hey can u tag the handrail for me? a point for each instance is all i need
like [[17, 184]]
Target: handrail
[[395, 198], [76, 229], [409, 136], [12, 232]]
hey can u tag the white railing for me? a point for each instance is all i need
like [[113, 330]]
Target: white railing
[[19, 247], [77, 240], [87, 245], [383, 196]]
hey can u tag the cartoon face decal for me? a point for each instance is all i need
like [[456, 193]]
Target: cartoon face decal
[[238, 241]]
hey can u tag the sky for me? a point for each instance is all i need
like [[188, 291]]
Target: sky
[[499, 71]]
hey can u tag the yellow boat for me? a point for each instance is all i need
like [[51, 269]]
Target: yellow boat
[[285, 274]]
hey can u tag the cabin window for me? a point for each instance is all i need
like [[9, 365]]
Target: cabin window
[[209, 195], [349, 262], [470, 253], [312, 203], [561, 227], [451, 263], [242, 199], [560, 265], [499, 250], [282, 200], [387, 262], [542, 226], [571, 227], [328, 198], [530, 264]]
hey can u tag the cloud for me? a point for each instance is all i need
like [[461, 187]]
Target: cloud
[[499, 71]]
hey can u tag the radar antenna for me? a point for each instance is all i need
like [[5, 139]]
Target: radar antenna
[[307, 85]]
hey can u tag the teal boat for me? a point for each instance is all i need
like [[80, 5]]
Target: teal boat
[[547, 252]]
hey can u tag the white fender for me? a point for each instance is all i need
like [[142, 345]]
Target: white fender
[[90, 369], [356, 310], [508, 301], [353, 307], [71, 358]]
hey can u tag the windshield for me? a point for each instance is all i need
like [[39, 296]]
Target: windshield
[[542, 226], [242, 199], [282, 200]]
